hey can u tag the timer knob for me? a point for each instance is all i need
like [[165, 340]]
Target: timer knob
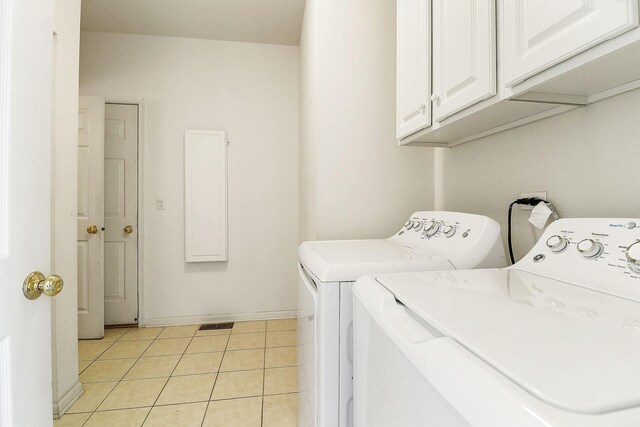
[[633, 256], [589, 248], [449, 230], [408, 224], [418, 225], [557, 243], [431, 228]]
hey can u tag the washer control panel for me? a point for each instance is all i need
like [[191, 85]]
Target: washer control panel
[[600, 254]]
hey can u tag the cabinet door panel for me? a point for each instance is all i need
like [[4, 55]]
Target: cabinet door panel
[[538, 34], [464, 54], [413, 86]]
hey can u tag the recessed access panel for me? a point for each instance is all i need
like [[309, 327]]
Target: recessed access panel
[[205, 195]]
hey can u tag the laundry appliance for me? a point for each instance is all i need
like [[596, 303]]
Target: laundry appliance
[[328, 269], [553, 340]]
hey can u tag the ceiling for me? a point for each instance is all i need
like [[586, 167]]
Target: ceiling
[[257, 21]]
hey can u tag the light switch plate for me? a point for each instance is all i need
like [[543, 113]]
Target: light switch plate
[[160, 203], [539, 194]]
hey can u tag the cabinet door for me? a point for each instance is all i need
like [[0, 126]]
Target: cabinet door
[[413, 86], [464, 54], [540, 33]]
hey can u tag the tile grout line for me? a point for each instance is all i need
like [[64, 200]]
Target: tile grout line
[[264, 372], [204, 416]]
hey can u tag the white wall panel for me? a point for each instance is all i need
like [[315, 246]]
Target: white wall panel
[[205, 178]]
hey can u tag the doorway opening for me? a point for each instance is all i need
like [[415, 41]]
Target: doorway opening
[[108, 206]]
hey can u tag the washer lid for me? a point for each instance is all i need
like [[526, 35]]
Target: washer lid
[[571, 347], [346, 260]]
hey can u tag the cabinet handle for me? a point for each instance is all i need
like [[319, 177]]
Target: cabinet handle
[[422, 108], [435, 98]]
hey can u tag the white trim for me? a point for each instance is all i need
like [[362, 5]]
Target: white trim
[[215, 318], [142, 141], [618, 90], [5, 10], [67, 400], [521, 122]]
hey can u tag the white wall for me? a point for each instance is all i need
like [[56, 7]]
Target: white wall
[[355, 181], [66, 385], [586, 159], [250, 90]]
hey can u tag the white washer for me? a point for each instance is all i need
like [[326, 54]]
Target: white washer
[[552, 341], [328, 269]]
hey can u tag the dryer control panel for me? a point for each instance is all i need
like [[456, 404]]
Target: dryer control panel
[[600, 254], [465, 239]]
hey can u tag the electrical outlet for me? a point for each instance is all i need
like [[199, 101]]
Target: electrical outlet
[[539, 194]]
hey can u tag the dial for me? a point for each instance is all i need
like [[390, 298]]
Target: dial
[[589, 248], [449, 230], [633, 256], [408, 224], [418, 225], [557, 243], [431, 228]]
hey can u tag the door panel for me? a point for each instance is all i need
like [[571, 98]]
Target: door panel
[[464, 54], [413, 87], [90, 212], [121, 210], [540, 33], [25, 209]]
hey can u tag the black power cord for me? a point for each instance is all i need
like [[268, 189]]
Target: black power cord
[[531, 201]]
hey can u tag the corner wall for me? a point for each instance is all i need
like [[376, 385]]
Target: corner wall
[[64, 337], [355, 181], [250, 90], [586, 160]]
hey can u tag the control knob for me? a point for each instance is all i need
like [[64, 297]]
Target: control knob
[[418, 225], [557, 243], [633, 256], [408, 224], [589, 248], [449, 230], [431, 228]]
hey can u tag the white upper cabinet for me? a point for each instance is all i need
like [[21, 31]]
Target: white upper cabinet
[[413, 108], [538, 34], [464, 54]]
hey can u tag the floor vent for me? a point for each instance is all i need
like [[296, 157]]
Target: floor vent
[[214, 326]]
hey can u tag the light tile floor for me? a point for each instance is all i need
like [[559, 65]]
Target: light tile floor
[[180, 377]]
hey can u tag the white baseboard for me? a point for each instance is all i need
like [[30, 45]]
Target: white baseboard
[[216, 318], [62, 406]]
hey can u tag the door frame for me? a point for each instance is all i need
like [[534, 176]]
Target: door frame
[[142, 132]]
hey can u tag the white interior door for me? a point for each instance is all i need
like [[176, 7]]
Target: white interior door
[[413, 68], [121, 214], [90, 217], [464, 54], [540, 33], [25, 209]]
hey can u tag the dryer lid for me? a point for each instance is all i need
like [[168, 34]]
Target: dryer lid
[[347, 260], [571, 347]]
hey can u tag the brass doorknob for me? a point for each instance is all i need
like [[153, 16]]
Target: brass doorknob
[[36, 284], [92, 229], [128, 229]]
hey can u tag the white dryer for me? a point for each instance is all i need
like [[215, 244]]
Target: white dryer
[[328, 269], [552, 341]]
